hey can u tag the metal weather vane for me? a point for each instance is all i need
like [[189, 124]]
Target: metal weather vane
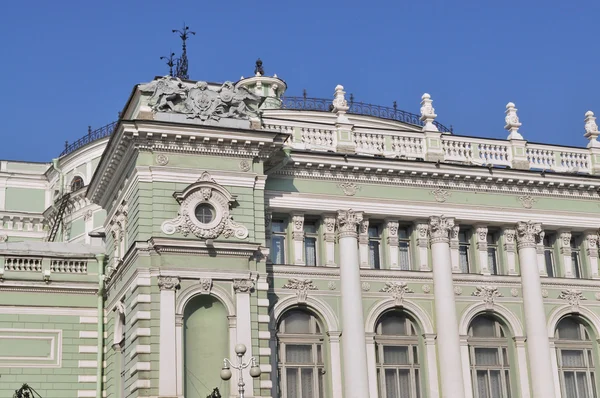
[[170, 63], [181, 71]]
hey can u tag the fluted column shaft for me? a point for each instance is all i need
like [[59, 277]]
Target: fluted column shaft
[[448, 341], [354, 352], [538, 345]]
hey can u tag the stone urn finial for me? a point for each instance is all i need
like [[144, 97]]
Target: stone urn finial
[[512, 122], [591, 130], [339, 100], [428, 113]]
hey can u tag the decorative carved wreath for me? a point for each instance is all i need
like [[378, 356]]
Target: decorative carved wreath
[[205, 193]]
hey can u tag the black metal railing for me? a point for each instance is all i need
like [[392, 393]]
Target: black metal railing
[[91, 136], [358, 108]]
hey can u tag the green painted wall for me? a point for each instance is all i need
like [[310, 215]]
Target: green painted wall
[[25, 199]]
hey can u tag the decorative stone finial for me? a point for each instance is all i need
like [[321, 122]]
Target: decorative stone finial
[[512, 122], [339, 100], [591, 130], [428, 113]]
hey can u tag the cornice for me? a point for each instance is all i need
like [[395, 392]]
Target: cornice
[[201, 247], [400, 172], [52, 287]]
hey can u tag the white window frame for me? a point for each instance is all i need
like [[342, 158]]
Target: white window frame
[[311, 235], [499, 343], [279, 235], [492, 245], [465, 245], [315, 340], [548, 244], [586, 346], [576, 256], [375, 240], [411, 341], [405, 241]]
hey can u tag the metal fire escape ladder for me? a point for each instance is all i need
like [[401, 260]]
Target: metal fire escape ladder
[[62, 205]]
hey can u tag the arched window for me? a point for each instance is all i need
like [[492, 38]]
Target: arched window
[[77, 183], [575, 355], [489, 358], [397, 347], [301, 357]]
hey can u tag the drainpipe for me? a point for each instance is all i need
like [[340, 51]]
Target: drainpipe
[[100, 354]]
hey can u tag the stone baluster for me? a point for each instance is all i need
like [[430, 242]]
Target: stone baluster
[[167, 356], [298, 238], [363, 243], [538, 345], [565, 251], [591, 250], [329, 237], [392, 240], [481, 233], [354, 350], [448, 341], [510, 249]]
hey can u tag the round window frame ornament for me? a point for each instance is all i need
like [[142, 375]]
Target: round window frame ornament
[[204, 191]]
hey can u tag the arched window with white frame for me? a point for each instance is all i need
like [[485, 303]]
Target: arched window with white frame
[[489, 357], [397, 356], [301, 355], [576, 358], [77, 183]]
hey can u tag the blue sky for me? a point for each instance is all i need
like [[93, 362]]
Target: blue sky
[[68, 64]]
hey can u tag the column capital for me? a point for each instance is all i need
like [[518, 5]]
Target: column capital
[[528, 234], [168, 282], [347, 221], [440, 228]]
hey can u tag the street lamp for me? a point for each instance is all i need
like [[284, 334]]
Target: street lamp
[[240, 350]]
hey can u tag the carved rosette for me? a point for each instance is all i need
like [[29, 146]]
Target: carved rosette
[[440, 228], [205, 191], [398, 290], [347, 222], [573, 297], [205, 285], [302, 286], [243, 285], [528, 234], [168, 282], [488, 294]]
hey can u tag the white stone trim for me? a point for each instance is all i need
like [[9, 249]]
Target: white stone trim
[[87, 379], [68, 311], [87, 364], [140, 315], [414, 310], [140, 349], [88, 334], [88, 349], [506, 315], [86, 393], [139, 367], [184, 296], [322, 309], [560, 312], [88, 319], [138, 384], [139, 299]]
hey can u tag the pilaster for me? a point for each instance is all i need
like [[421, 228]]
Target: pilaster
[[167, 376], [242, 289], [565, 250], [363, 243], [392, 240], [422, 229], [329, 238], [454, 253], [298, 238], [510, 248], [591, 251], [481, 236], [541, 258]]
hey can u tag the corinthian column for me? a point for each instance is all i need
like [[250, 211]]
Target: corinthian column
[[538, 346], [354, 352], [448, 341]]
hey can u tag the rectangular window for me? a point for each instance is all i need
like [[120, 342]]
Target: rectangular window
[[278, 241], [463, 251], [374, 247], [575, 257], [492, 251], [404, 248], [549, 255], [310, 243]]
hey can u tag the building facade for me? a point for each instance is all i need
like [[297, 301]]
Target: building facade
[[355, 250]]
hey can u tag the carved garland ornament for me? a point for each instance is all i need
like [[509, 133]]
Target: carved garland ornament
[[217, 200], [398, 290], [488, 294], [302, 286], [440, 194], [573, 297]]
